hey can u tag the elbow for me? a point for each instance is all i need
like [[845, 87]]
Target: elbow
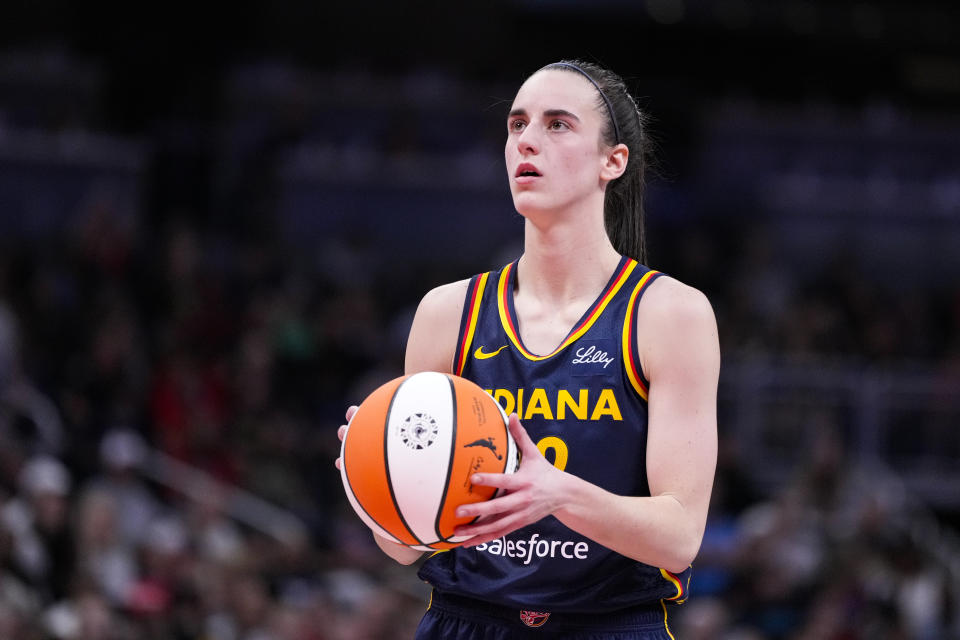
[[404, 555], [678, 565], [400, 553], [407, 559], [683, 554]]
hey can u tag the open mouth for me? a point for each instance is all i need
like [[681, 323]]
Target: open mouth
[[527, 171]]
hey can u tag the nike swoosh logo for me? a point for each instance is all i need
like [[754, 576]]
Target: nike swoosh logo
[[480, 355]]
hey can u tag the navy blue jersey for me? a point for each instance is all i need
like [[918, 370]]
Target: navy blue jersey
[[585, 405]]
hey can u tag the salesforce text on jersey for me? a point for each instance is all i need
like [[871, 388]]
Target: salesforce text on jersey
[[542, 548]]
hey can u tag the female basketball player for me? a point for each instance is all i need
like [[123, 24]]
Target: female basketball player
[[607, 367]]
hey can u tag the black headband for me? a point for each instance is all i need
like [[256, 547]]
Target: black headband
[[606, 100]]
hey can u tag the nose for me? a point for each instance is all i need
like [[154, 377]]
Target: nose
[[527, 141]]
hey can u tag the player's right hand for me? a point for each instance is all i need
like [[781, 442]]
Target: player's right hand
[[343, 430]]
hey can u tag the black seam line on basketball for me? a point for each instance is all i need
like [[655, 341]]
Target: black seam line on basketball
[[386, 463], [354, 493], [453, 454], [506, 441], [506, 455]]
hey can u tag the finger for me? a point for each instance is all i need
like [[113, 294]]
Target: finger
[[352, 409], [491, 529], [524, 443], [479, 539], [509, 502], [336, 463], [505, 481], [342, 431]]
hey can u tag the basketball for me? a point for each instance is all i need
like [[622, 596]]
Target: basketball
[[409, 453]]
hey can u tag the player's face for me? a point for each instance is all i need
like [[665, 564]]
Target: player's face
[[554, 155]]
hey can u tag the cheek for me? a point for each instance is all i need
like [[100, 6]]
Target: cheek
[[581, 167], [509, 155]]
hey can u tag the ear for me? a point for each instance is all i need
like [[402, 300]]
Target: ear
[[615, 162]]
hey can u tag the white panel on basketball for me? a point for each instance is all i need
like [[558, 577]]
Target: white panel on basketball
[[512, 457], [420, 438]]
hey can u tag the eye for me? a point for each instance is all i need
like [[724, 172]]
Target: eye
[[516, 125], [558, 125]]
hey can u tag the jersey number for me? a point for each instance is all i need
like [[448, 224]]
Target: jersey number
[[559, 450]]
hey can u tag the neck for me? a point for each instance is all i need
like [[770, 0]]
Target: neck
[[563, 262]]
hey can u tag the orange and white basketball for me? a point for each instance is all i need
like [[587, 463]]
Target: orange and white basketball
[[409, 453]]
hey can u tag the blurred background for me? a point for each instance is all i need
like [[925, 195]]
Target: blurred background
[[215, 227]]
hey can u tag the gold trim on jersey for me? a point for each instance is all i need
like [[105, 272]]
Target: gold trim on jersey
[[666, 625], [629, 348], [582, 328], [675, 579], [471, 328]]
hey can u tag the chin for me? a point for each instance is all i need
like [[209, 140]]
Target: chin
[[528, 206]]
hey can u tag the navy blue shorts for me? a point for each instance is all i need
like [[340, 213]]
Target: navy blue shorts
[[457, 618]]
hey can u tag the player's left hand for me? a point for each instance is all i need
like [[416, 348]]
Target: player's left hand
[[531, 493], [342, 431]]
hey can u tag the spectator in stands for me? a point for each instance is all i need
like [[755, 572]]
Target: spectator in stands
[[122, 454], [38, 519]]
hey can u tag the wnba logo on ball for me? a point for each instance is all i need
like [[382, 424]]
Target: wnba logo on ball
[[418, 431]]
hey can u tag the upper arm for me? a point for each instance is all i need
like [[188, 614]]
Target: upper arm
[[680, 354], [432, 343]]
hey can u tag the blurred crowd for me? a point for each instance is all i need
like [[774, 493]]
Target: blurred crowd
[[242, 372], [838, 310], [126, 340], [237, 359], [842, 552]]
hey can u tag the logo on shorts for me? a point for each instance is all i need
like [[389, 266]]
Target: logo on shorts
[[418, 431], [534, 618]]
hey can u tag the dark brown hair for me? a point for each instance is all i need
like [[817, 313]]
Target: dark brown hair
[[623, 213]]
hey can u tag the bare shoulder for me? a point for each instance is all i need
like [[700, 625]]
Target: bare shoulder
[[446, 299], [669, 301], [432, 343], [676, 322]]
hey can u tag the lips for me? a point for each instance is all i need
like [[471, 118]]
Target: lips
[[526, 170]]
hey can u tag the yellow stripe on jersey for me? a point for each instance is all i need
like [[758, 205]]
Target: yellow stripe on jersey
[[629, 360], [471, 327], [514, 336], [666, 626], [676, 582]]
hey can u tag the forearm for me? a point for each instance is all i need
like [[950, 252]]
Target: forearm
[[656, 530], [399, 552]]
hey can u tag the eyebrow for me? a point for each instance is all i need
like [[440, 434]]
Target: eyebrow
[[550, 113]]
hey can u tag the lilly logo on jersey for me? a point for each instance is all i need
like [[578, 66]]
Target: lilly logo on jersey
[[535, 546], [592, 355]]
